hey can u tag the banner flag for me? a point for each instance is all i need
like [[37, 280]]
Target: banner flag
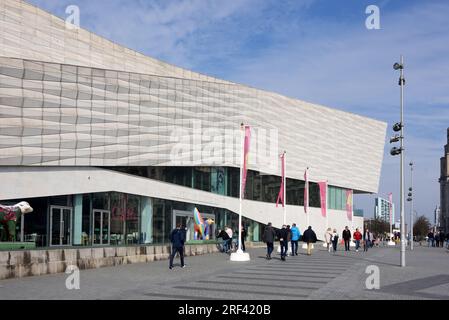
[[245, 158], [349, 204], [390, 204], [281, 190], [323, 197]]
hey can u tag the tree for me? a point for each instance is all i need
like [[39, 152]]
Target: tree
[[421, 227], [377, 226]]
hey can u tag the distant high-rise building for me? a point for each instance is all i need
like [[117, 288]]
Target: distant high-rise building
[[382, 210], [437, 217], [444, 187]]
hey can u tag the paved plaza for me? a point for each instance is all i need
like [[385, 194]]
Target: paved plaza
[[214, 276]]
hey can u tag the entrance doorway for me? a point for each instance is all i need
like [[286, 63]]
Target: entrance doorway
[[101, 226], [60, 226], [186, 219]]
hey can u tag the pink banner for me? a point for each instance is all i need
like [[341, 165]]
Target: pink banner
[[245, 157], [349, 204], [306, 192], [390, 204], [281, 190], [323, 197]]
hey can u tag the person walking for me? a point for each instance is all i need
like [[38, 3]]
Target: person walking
[[177, 238], [346, 237], [430, 239], [283, 241], [230, 234], [447, 240], [328, 239], [335, 240], [309, 237], [442, 238], [295, 238], [372, 239], [367, 238], [357, 237], [268, 237], [289, 238], [243, 237]]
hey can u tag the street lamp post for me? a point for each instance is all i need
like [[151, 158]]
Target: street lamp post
[[410, 198], [395, 151]]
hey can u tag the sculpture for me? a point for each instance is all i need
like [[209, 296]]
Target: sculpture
[[208, 229], [201, 228], [9, 216]]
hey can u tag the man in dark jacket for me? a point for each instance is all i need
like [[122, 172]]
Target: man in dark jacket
[[283, 235], [243, 237], [346, 237], [442, 238], [268, 237], [309, 237], [177, 238]]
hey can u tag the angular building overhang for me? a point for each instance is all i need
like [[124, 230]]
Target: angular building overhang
[[71, 98]]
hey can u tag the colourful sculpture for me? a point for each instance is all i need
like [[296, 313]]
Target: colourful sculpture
[[9, 216], [202, 229], [199, 224], [208, 229]]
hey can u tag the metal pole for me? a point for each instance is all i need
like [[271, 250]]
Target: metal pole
[[411, 211], [308, 197], [242, 136], [401, 81], [327, 214], [285, 188]]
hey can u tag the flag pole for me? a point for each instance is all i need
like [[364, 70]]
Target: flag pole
[[240, 255], [308, 197], [306, 204], [242, 155], [284, 202], [327, 213]]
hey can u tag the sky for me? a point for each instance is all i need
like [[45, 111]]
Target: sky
[[315, 50]]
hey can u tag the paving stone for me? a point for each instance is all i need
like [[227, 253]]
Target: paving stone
[[214, 276]]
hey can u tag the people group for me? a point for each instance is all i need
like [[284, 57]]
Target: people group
[[292, 235], [287, 236], [437, 239]]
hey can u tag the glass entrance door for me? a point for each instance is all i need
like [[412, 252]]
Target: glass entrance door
[[185, 218], [60, 226], [101, 226]]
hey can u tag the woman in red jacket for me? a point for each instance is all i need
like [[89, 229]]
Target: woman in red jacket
[[357, 237]]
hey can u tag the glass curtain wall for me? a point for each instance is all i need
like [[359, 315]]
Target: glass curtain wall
[[226, 181]]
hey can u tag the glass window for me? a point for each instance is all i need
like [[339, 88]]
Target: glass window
[[100, 201], [35, 223], [338, 198], [295, 192], [117, 218], [158, 221], [257, 187], [314, 195], [85, 227], [270, 188], [331, 197], [202, 177], [343, 198], [132, 203], [233, 182], [218, 183]]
